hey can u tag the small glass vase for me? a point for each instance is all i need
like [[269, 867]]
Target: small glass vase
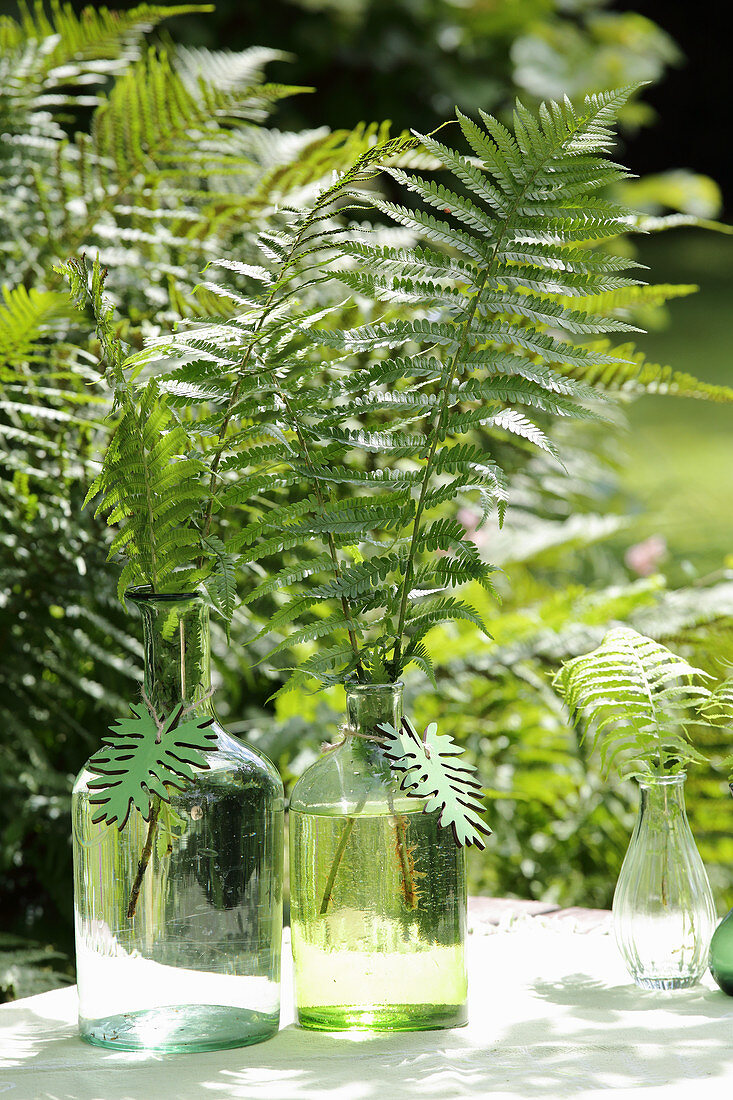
[[179, 919], [663, 908], [378, 890]]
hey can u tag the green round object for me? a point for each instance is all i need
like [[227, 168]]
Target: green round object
[[721, 954]]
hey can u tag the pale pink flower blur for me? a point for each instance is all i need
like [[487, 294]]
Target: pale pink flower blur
[[644, 557], [468, 518]]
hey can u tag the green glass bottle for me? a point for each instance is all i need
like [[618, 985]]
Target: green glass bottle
[[378, 890], [178, 920], [721, 954]]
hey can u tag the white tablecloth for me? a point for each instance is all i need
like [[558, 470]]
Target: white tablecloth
[[553, 1014]]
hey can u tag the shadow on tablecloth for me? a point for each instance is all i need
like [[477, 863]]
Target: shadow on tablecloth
[[596, 1037]]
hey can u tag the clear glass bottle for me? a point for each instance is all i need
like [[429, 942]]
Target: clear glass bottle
[[377, 890], [182, 953], [663, 907]]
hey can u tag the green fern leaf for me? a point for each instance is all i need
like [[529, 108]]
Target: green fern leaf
[[639, 696], [221, 581]]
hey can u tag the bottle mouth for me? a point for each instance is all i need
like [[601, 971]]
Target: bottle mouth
[[143, 593], [662, 780], [373, 689]]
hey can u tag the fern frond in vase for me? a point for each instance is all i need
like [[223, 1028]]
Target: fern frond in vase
[[151, 483], [154, 490], [639, 698], [244, 378], [487, 342]]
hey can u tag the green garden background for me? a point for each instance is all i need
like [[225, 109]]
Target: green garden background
[[640, 532]]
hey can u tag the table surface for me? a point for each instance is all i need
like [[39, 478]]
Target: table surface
[[553, 1014]]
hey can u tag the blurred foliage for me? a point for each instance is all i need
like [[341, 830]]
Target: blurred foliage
[[679, 454], [414, 61], [71, 654], [27, 968]]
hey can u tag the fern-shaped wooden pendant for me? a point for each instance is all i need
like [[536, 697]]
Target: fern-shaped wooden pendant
[[429, 773], [140, 759]]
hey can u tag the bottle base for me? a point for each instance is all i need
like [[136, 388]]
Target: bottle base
[[667, 983], [419, 1017], [724, 981], [180, 1028]]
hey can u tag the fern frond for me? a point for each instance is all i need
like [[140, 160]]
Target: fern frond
[[632, 374], [25, 318], [150, 484], [718, 707], [639, 698], [374, 425], [149, 489]]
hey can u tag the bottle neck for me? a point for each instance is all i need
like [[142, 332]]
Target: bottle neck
[[176, 651], [661, 794], [371, 706]]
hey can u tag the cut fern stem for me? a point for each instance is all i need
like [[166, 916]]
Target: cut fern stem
[[144, 856]]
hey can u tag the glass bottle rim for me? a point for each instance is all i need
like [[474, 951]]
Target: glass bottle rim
[[143, 593], [662, 780], [367, 689]]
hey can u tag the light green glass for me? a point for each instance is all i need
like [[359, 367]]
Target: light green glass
[[182, 953], [378, 890]]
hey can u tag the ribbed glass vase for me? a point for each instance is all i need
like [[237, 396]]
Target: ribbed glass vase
[[663, 907], [378, 890], [178, 920]]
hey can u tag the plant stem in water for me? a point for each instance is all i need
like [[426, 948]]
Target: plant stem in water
[[409, 887], [144, 857], [407, 867], [350, 822], [407, 863]]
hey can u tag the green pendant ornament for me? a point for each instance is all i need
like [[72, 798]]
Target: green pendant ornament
[[144, 756], [429, 771]]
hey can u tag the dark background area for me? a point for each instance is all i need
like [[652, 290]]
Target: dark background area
[[374, 71], [690, 101]]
